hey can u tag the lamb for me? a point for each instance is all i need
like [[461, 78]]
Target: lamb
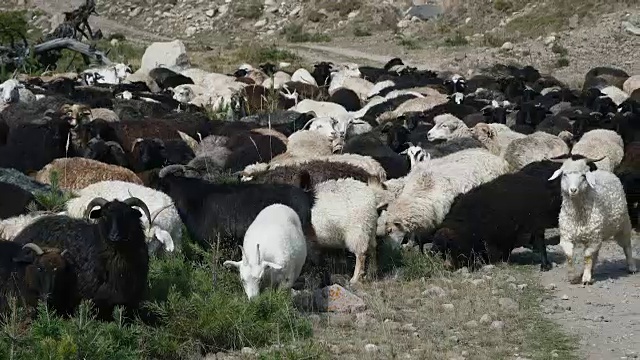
[[431, 188], [274, 250], [485, 223], [77, 173], [109, 257], [345, 215], [605, 145], [535, 147], [594, 209], [166, 227]]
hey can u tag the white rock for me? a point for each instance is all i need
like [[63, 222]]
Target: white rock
[[370, 348], [435, 291], [260, 23], [114, 42], [223, 9], [508, 304], [136, 12], [172, 54], [403, 23], [507, 46], [353, 14], [485, 319], [295, 11], [478, 282], [565, 297], [191, 30], [248, 350], [448, 307], [467, 20], [522, 286], [497, 325], [210, 12]]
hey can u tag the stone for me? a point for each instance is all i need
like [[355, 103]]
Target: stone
[[210, 13], [551, 286], [425, 12], [508, 304], [191, 30], [295, 11], [363, 320], [260, 23], [497, 325], [353, 14], [115, 42], [471, 324], [565, 297], [335, 298], [172, 55], [435, 291], [485, 319], [522, 286], [136, 12], [549, 40], [371, 348], [402, 24], [508, 46], [467, 20], [478, 282], [448, 307], [574, 21], [223, 9], [631, 28], [510, 278], [248, 351]]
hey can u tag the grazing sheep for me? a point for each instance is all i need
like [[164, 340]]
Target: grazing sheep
[[535, 147], [306, 144], [345, 215], [109, 257], [165, 229], [485, 224], [605, 145], [594, 210], [347, 98], [78, 173], [273, 252], [431, 188], [30, 274]]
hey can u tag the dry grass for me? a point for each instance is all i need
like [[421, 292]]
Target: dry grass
[[227, 58]]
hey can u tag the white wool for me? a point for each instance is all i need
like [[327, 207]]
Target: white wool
[[599, 143], [10, 91], [274, 250], [617, 95], [379, 86], [594, 210], [448, 127], [166, 228], [303, 76], [534, 147], [277, 80], [11, 227], [360, 86], [320, 108]]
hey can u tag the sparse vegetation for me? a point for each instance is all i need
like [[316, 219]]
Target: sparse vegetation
[[562, 62], [295, 33], [408, 42], [252, 53], [559, 49], [458, 39], [361, 31], [502, 5], [249, 9], [55, 199]]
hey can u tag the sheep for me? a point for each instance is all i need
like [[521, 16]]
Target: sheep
[[416, 154], [430, 189], [448, 127], [15, 177], [78, 113], [274, 249], [31, 273], [602, 75], [108, 152], [109, 257], [167, 78], [631, 84], [166, 227], [594, 209], [307, 144], [369, 144], [147, 154], [319, 171], [12, 226], [347, 98], [616, 94], [485, 223], [277, 80], [495, 141], [78, 173], [320, 108], [535, 147], [345, 215], [303, 76], [112, 74], [358, 85], [14, 91], [15, 201], [602, 144]]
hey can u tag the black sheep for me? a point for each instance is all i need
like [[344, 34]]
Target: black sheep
[[318, 170], [147, 154], [369, 144], [15, 201], [371, 115], [486, 223], [250, 148], [30, 274], [108, 152], [109, 258], [166, 78], [347, 98]]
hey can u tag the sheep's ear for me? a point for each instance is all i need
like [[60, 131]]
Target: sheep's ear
[[266, 264], [165, 238], [591, 179], [191, 142], [382, 207], [555, 175], [230, 263], [592, 165]]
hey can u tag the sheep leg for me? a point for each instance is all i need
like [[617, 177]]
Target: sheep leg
[[590, 259], [623, 238], [360, 260], [372, 270], [567, 248], [541, 248]]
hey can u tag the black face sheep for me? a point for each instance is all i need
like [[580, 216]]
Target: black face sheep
[[368, 144], [108, 152], [485, 223], [147, 154], [32, 274], [109, 257]]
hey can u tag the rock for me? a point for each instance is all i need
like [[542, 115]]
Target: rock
[[409, 328], [490, 266], [565, 297], [467, 20], [295, 11], [223, 9], [353, 14], [402, 24], [574, 21], [260, 23], [172, 54], [471, 324], [335, 298], [551, 286], [448, 307], [630, 28], [115, 42], [549, 40], [497, 325], [508, 46], [248, 351], [508, 304], [485, 319], [371, 348], [510, 278], [425, 12], [191, 30], [210, 13], [477, 282], [435, 291], [136, 12], [522, 286]]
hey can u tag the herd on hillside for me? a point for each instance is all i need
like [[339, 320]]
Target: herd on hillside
[[297, 163]]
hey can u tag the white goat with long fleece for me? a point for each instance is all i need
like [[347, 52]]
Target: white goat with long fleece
[[273, 252], [166, 227], [594, 210]]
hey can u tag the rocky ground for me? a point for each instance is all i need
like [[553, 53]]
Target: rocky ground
[[605, 316]]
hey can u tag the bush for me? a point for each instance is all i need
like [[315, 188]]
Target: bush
[[562, 62], [294, 33], [560, 50], [361, 32], [457, 40], [251, 9], [54, 200], [12, 23], [409, 42]]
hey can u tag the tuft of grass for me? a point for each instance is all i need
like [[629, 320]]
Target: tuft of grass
[[55, 199], [456, 40], [562, 62], [495, 40], [502, 5], [250, 9], [408, 42], [295, 33], [559, 49], [361, 31], [416, 265]]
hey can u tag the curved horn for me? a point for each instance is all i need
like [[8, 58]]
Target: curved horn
[[33, 247], [135, 142], [134, 201], [95, 202]]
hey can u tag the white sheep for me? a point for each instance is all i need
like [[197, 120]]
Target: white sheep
[[495, 141], [304, 76], [631, 84], [11, 227], [594, 210], [166, 229], [320, 108], [616, 94], [416, 154], [448, 127], [534, 147], [111, 74], [277, 80], [431, 187], [345, 215], [342, 125], [599, 143], [14, 91], [274, 250]]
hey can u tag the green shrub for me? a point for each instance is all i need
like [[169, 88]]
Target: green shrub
[[416, 265], [562, 62], [409, 42], [54, 200], [12, 24], [560, 50]]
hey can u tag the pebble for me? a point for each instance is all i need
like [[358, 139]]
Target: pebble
[[248, 351], [549, 40], [464, 353], [551, 286], [522, 286], [485, 319], [448, 307], [507, 46], [497, 325], [371, 348], [260, 23], [565, 297]]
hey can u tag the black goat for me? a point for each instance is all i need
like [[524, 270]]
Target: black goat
[[166, 78]]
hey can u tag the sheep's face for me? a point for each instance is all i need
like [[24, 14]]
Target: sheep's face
[[482, 132], [118, 222], [183, 94], [442, 131], [395, 231], [10, 91], [122, 71], [576, 177], [252, 272], [42, 271]]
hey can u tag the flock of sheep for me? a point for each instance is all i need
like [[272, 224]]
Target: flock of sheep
[[342, 157]]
